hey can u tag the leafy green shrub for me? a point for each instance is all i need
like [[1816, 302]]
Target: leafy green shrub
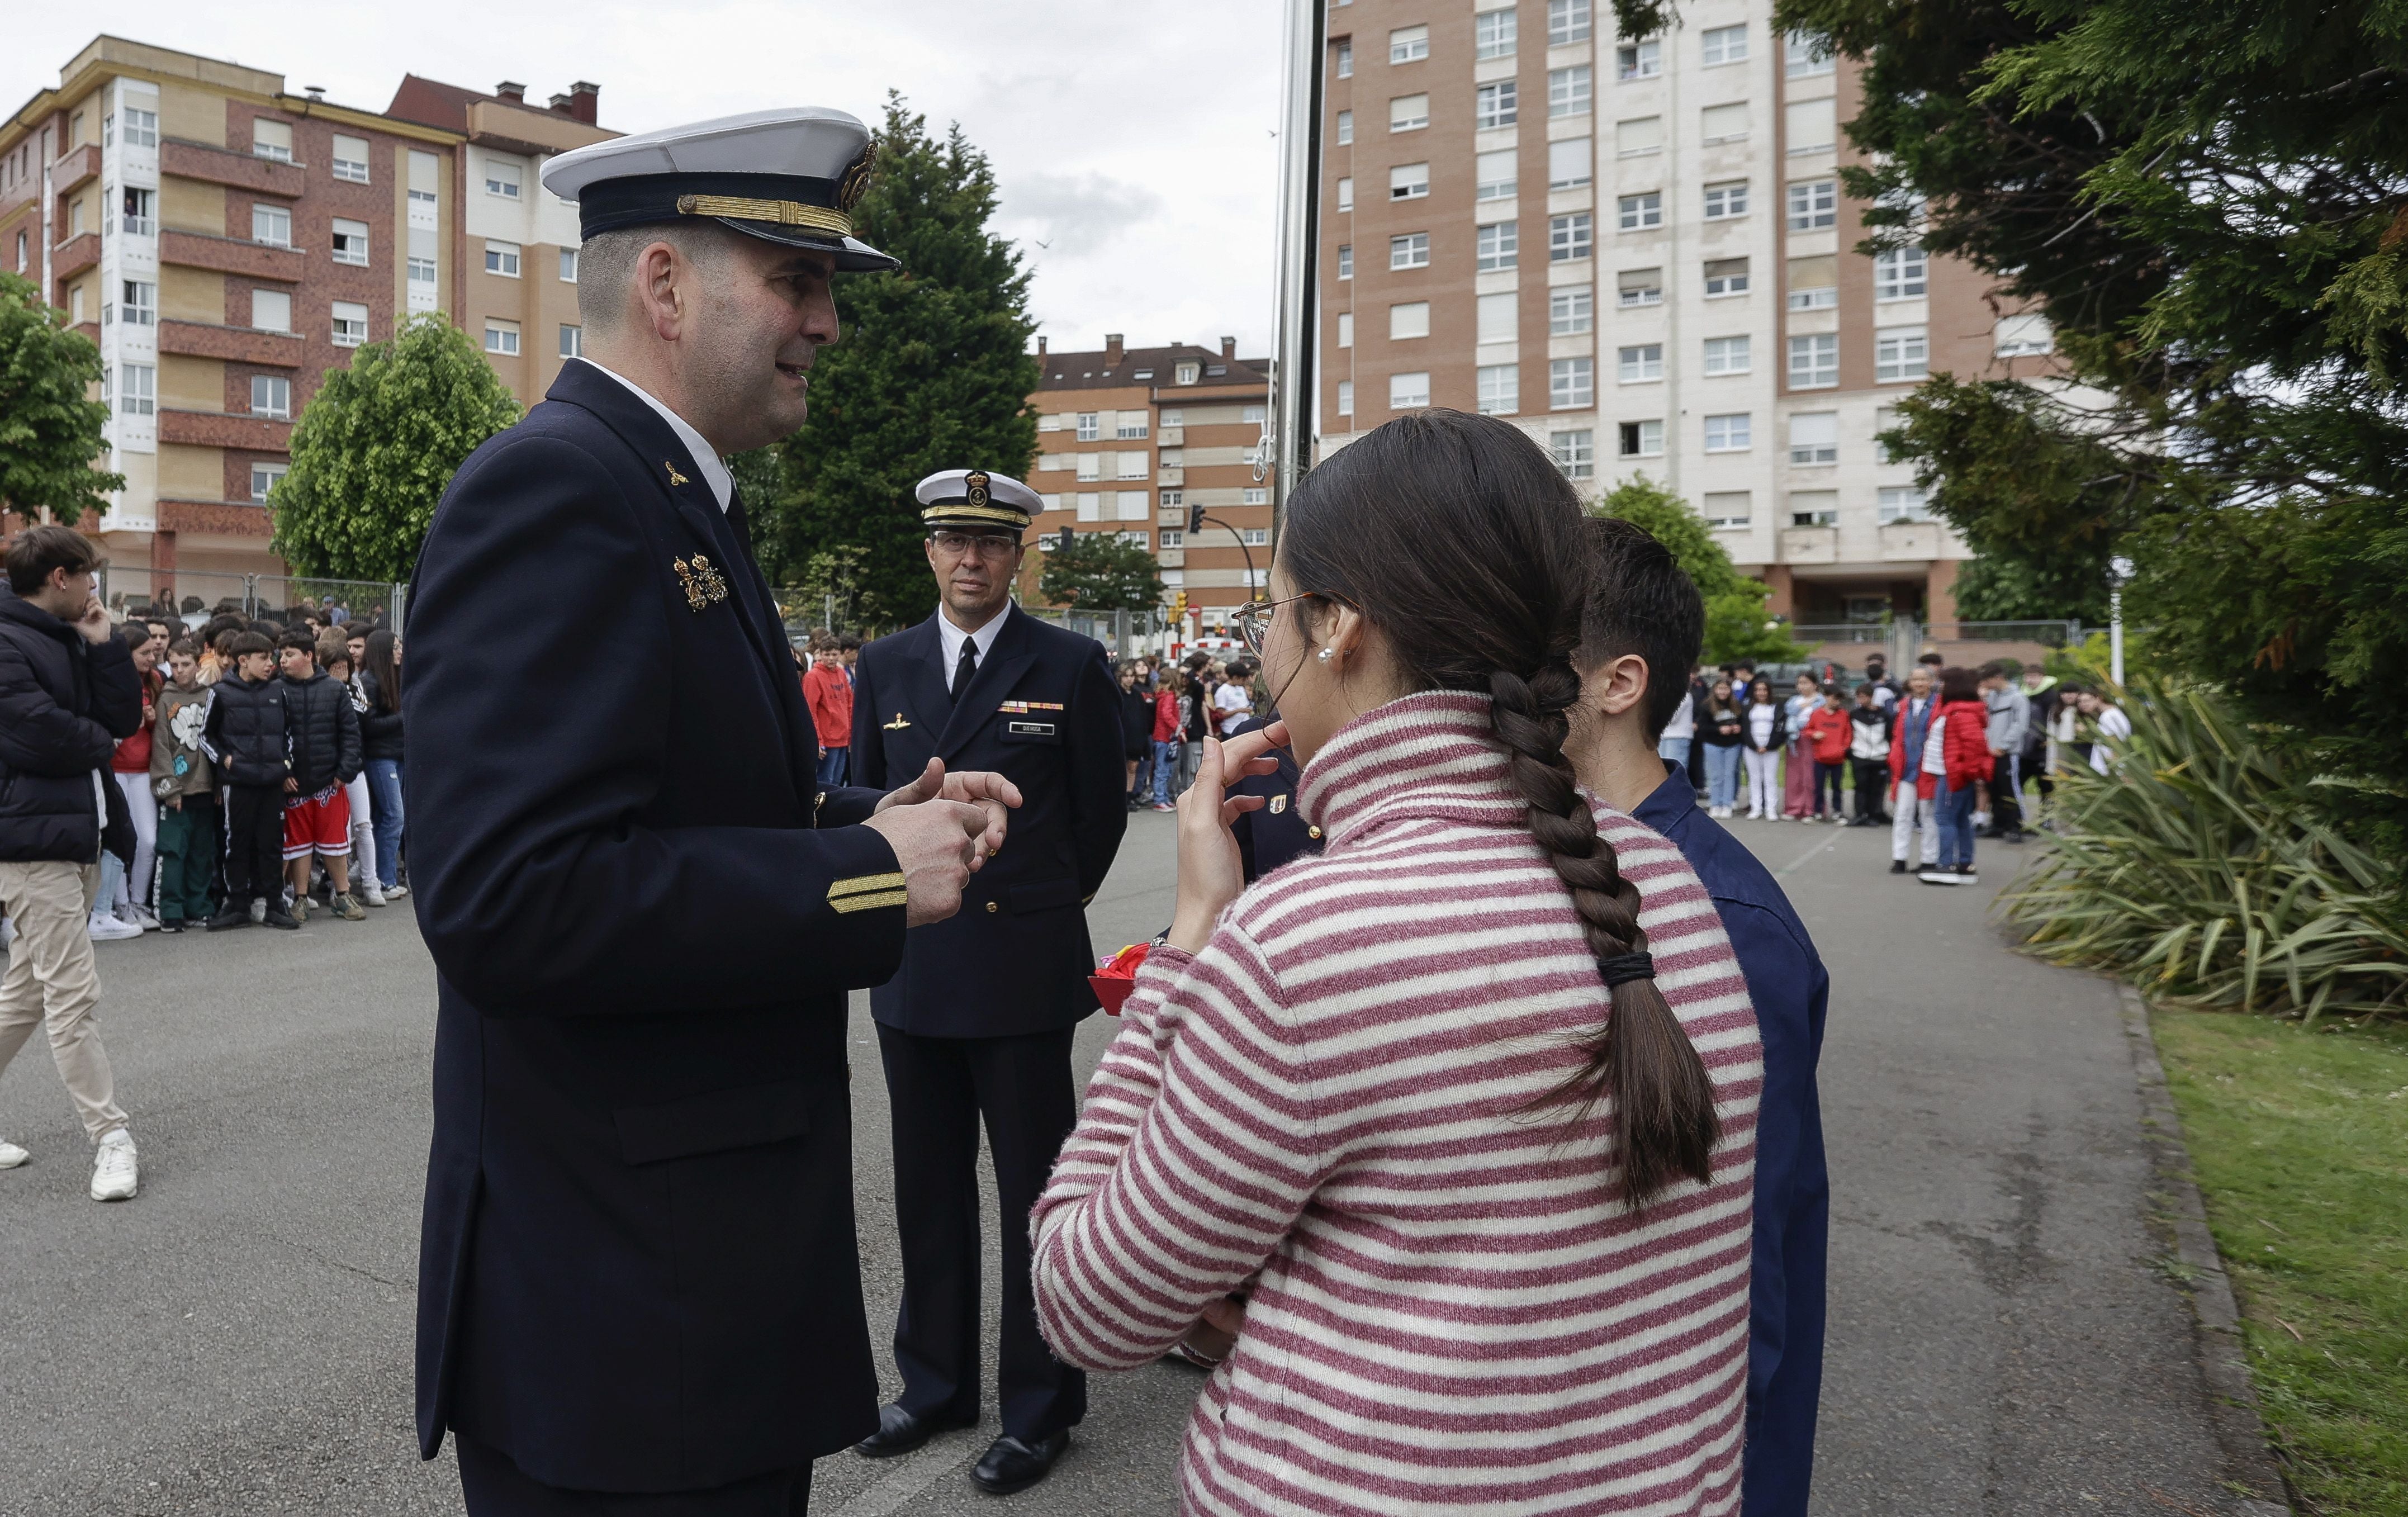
[[2204, 871]]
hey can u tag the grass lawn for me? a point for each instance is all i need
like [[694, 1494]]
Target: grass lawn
[[2301, 1144]]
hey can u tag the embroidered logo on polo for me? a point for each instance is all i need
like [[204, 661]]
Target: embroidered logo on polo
[[703, 584]]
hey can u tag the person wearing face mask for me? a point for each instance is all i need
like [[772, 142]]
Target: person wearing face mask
[[1384, 1090]]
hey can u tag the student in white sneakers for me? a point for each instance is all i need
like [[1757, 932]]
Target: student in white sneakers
[[67, 692]]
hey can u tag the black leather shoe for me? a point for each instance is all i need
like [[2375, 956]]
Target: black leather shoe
[[1010, 1464], [900, 1432]]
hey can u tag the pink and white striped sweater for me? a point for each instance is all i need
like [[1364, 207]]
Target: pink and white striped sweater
[[1451, 1310]]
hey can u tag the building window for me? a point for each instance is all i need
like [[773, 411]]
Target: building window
[[1729, 434], [1726, 356], [1900, 355], [271, 395], [1492, 34], [1346, 192], [141, 128], [263, 479], [1636, 287], [1726, 510], [272, 226], [350, 242], [1813, 508], [1500, 388], [502, 258], [140, 306], [142, 212], [2023, 337], [1815, 362], [1408, 392], [1726, 277], [421, 270], [572, 342], [1408, 43], [1638, 60], [1346, 260], [1128, 424], [1723, 124], [1639, 136], [23, 252], [502, 337], [1569, 237], [1568, 91], [1494, 175], [1495, 245], [1638, 213], [1723, 45], [1251, 415], [1805, 55], [1345, 398], [1133, 464], [1411, 251], [1641, 439], [1408, 181], [351, 158], [1499, 318], [501, 179], [1726, 200], [1257, 537], [1812, 126], [1815, 439], [1813, 283], [1173, 500], [1090, 506], [1568, 164], [1575, 452], [1346, 127], [271, 310], [569, 265], [1408, 319], [1571, 384], [1571, 310], [1814, 205], [1902, 503], [1408, 113], [1131, 504], [1187, 372], [1884, 420], [1091, 467], [137, 390], [1642, 362], [1495, 105], [1089, 430], [1900, 273], [351, 326], [1173, 536], [1566, 24], [1255, 495], [271, 139], [1346, 59]]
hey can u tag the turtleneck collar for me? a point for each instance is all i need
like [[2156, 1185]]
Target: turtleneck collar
[[1430, 754]]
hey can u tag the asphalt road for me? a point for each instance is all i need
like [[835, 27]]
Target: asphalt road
[[238, 1339]]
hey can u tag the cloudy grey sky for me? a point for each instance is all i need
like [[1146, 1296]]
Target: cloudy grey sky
[[1134, 140]]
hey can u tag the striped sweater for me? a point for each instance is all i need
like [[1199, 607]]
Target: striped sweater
[[1450, 1309]]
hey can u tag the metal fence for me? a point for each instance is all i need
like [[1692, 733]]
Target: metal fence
[[1903, 639], [193, 596]]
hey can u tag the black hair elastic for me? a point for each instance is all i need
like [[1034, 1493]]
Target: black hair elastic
[[1624, 968]]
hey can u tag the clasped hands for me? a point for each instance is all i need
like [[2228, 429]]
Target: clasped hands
[[943, 828]]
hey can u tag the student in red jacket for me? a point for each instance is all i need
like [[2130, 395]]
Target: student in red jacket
[[1166, 724], [829, 693], [1965, 788], [1826, 733]]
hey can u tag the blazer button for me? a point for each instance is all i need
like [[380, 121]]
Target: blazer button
[[1313, 833], [993, 906]]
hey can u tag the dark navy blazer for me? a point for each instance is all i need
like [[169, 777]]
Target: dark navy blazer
[[1268, 839], [638, 1270], [1793, 1191], [1044, 711]]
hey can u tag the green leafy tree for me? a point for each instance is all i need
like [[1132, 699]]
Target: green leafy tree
[[1737, 626], [2204, 198], [1096, 571], [933, 371], [50, 434], [376, 446]]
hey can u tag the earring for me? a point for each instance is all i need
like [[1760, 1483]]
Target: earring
[[1325, 653]]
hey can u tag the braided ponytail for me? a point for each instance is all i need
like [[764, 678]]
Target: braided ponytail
[[1459, 538]]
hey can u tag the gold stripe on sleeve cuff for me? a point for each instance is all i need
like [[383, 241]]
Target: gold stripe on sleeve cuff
[[869, 903], [862, 882]]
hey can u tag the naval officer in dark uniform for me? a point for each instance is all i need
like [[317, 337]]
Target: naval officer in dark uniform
[[638, 1288], [978, 1024]]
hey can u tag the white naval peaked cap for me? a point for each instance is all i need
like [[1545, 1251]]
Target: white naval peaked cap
[[793, 175], [972, 499]]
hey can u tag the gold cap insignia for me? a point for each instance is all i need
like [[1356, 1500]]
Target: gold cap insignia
[[978, 487], [855, 183]]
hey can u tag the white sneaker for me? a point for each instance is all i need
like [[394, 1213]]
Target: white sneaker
[[11, 1155], [139, 914], [374, 896], [258, 910], [103, 928], [112, 1168], [396, 892]]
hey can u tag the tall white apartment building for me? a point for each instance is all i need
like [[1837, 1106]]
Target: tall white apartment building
[[1636, 249]]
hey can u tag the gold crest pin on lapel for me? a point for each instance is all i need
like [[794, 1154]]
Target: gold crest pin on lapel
[[694, 597], [898, 724], [712, 585], [701, 582], [675, 478], [1278, 804]]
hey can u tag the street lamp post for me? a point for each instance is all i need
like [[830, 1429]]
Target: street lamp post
[[2119, 569]]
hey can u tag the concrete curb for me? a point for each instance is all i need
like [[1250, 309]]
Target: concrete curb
[[2240, 1428]]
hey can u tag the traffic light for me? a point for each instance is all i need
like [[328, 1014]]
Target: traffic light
[[1195, 518], [1178, 606], [1063, 541]]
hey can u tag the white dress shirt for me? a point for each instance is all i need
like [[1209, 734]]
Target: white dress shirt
[[706, 458], [952, 637]]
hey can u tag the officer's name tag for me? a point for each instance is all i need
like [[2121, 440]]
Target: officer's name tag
[[1029, 729]]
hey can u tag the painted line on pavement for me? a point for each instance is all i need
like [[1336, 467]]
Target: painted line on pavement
[[914, 1474], [1823, 847]]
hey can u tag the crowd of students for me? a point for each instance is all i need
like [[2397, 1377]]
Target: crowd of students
[[1948, 753], [1169, 710]]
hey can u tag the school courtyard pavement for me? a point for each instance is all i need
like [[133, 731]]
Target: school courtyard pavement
[[2009, 1330]]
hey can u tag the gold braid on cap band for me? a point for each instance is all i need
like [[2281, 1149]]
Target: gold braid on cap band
[[955, 509], [783, 212]]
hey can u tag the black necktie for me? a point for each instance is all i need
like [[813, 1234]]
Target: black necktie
[[964, 668], [737, 519]]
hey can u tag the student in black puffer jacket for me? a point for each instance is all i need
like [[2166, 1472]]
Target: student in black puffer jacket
[[325, 731], [244, 735]]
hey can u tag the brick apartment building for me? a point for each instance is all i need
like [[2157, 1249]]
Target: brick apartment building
[[225, 242], [1636, 248], [1129, 439]]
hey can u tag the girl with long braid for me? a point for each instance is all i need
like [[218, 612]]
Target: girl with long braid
[[1441, 1141]]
